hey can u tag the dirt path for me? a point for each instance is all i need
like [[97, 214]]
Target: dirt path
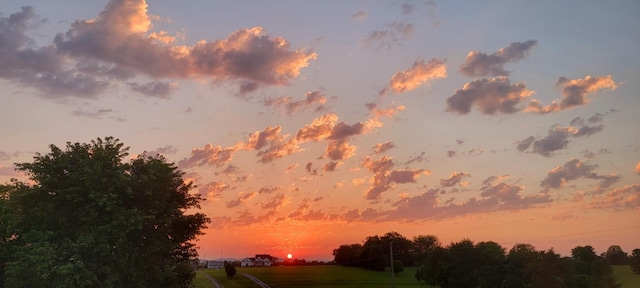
[[256, 280], [213, 280]]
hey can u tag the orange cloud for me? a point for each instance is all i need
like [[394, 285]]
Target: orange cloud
[[419, 74], [574, 93], [637, 170]]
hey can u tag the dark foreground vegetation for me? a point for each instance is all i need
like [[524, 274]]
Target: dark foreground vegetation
[[88, 218], [487, 264]]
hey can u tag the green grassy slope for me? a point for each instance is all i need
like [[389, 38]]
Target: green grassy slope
[[625, 276]]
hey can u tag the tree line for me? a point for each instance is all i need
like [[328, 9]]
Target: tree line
[[487, 264]]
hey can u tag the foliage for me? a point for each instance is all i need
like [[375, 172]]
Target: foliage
[[230, 270], [89, 219], [398, 266], [634, 261], [616, 256]]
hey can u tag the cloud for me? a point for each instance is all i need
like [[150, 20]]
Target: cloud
[[479, 64], [383, 147], [165, 150], [495, 195], [330, 167], [98, 114], [359, 15], [9, 171], [390, 37], [213, 190], [389, 112], [574, 93], [291, 106], [431, 12], [627, 197], [242, 198], [454, 179], [6, 156], [119, 44], [406, 8], [42, 67], [637, 169], [572, 170], [384, 178], [558, 137], [269, 190], [276, 202], [490, 96], [340, 150], [157, 89], [419, 74]]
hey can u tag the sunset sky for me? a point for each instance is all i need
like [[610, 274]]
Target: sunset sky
[[311, 124]]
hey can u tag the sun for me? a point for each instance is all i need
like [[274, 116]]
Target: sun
[[289, 256]]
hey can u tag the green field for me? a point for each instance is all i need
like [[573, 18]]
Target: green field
[[315, 277], [338, 276], [625, 276]]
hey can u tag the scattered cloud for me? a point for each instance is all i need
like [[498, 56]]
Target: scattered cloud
[[290, 106], [479, 64], [359, 15], [383, 147], [384, 178], [165, 150], [242, 198], [574, 93], [558, 137], [406, 8], [4, 156], [572, 170], [157, 89], [637, 169], [213, 190], [627, 197], [490, 96], [419, 74], [454, 179], [390, 37], [389, 112]]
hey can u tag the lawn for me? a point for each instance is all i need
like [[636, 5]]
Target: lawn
[[625, 276], [345, 277], [316, 276]]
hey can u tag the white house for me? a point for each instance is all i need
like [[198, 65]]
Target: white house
[[262, 260], [247, 262]]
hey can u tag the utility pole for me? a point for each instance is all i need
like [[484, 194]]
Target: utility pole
[[393, 277]]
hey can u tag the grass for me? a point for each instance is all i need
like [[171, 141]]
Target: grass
[[345, 277], [625, 276], [316, 276], [202, 282]]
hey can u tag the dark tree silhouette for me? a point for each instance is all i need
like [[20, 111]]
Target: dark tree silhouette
[[89, 219]]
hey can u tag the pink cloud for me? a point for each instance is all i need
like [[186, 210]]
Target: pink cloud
[[419, 74], [574, 93]]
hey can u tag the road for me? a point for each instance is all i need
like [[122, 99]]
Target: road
[[256, 280], [213, 280]]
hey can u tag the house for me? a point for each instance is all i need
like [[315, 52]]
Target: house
[[261, 260], [247, 262]]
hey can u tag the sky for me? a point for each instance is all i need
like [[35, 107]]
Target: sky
[[311, 124]]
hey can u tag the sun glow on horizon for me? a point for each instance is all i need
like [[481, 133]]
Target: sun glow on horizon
[[289, 256]]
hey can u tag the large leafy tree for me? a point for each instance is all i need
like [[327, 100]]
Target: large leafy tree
[[89, 218]]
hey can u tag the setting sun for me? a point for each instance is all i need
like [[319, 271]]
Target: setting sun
[[289, 256]]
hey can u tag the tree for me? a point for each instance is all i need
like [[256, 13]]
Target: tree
[[347, 255], [230, 270], [616, 256], [422, 245], [398, 266], [90, 219], [634, 261]]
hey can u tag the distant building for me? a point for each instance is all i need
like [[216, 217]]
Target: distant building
[[261, 260], [215, 264]]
